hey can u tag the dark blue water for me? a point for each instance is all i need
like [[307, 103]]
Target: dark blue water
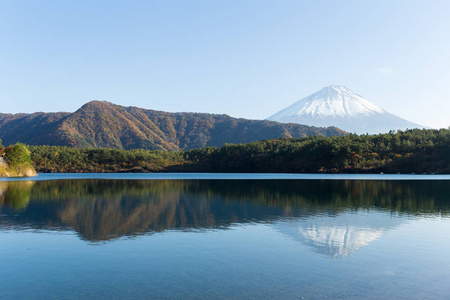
[[219, 239]]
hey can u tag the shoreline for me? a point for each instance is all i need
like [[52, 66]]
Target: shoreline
[[224, 176]]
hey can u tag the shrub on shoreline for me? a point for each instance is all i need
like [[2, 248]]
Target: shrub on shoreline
[[15, 161]]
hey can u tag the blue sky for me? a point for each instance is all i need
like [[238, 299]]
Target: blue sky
[[243, 58]]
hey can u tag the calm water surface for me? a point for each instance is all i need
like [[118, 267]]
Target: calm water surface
[[128, 236]]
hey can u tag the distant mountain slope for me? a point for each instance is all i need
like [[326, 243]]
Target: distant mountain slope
[[101, 124], [340, 107], [35, 129]]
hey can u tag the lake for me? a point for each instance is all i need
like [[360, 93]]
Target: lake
[[225, 236]]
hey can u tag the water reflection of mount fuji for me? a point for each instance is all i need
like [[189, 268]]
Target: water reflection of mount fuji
[[339, 235], [330, 216]]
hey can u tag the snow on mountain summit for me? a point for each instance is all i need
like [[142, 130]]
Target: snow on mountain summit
[[339, 106], [330, 101]]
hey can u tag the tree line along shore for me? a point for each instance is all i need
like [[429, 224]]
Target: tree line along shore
[[410, 151]]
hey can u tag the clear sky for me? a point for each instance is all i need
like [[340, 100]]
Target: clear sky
[[247, 58]]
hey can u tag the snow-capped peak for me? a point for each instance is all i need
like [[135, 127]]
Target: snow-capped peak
[[338, 106], [330, 101]]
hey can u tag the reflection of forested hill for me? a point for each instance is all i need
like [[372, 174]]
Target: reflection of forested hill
[[15, 194], [104, 209]]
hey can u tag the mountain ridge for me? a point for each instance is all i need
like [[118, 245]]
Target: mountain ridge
[[102, 124]]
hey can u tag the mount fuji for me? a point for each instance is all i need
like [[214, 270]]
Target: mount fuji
[[340, 107]]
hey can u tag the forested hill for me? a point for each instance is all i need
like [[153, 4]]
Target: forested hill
[[411, 151], [100, 124]]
